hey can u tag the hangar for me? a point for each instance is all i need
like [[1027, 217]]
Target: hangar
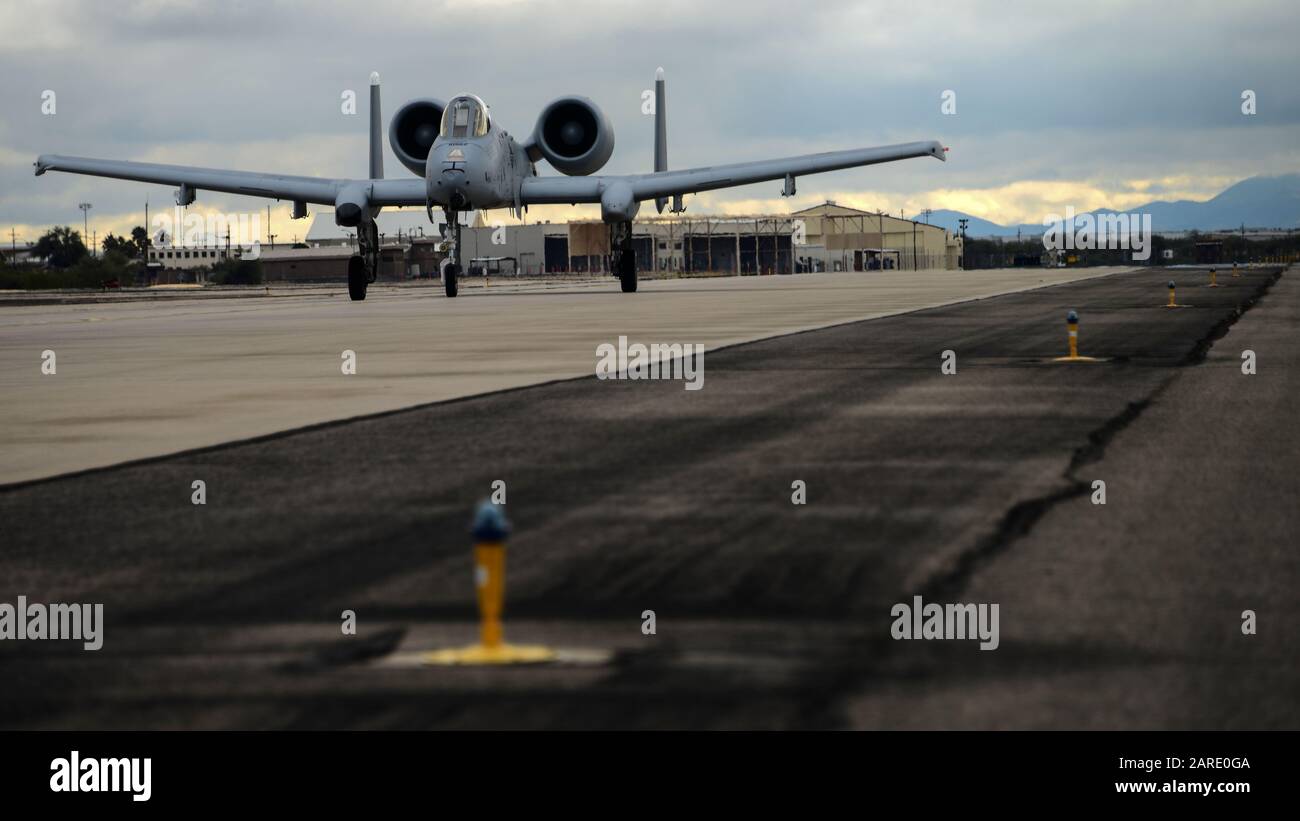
[[839, 238], [826, 237]]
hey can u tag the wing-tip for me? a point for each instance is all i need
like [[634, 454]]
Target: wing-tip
[[42, 164]]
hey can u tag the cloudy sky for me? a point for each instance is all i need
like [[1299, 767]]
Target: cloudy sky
[[1084, 104]]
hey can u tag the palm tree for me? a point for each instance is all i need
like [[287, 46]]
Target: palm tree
[[61, 247]]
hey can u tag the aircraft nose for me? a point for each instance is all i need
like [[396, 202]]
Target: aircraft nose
[[448, 177], [450, 187], [453, 179]]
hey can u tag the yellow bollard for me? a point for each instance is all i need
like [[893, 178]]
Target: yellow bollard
[[490, 579], [1172, 302], [1235, 272], [490, 530], [1214, 279], [1072, 327]]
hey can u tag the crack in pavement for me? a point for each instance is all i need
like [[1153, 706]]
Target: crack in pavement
[[1020, 518]]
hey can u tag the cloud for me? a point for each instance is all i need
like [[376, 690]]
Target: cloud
[[1087, 101]]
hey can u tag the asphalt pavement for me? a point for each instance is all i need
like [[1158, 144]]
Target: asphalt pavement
[[628, 496]]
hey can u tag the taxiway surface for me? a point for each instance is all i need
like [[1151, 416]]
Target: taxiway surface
[[633, 496], [137, 379]]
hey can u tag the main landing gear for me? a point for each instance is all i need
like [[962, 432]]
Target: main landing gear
[[623, 255], [363, 268]]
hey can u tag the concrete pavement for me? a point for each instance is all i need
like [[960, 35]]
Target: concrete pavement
[[140, 379]]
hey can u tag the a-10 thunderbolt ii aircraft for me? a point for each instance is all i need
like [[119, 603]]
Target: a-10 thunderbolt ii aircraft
[[467, 161]]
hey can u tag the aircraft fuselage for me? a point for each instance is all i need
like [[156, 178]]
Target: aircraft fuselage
[[464, 173]]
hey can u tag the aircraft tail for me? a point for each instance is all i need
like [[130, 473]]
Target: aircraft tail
[[376, 130], [661, 132]]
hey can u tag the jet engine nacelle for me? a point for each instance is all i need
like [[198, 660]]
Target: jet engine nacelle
[[412, 132], [573, 135]]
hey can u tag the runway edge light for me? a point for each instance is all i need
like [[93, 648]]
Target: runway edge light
[[1072, 328], [490, 530], [1173, 303]]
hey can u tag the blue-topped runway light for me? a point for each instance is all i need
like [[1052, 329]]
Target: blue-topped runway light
[[1072, 328], [1173, 303], [490, 523], [490, 530]]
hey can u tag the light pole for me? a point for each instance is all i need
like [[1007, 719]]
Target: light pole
[[85, 233], [916, 266], [962, 223], [880, 215]]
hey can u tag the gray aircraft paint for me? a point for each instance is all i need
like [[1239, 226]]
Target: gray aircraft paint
[[376, 130], [497, 172], [661, 132]]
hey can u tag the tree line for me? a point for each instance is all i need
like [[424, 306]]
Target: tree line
[[66, 262]]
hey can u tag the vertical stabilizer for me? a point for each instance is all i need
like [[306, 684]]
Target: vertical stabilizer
[[376, 130], [661, 132]]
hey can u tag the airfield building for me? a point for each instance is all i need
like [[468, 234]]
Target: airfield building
[[827, 237]]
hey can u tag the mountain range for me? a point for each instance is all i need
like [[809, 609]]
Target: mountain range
[[1257, 202]]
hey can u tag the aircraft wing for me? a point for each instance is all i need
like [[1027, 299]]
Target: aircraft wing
[[534, 191], [319, 190], [559, 190]]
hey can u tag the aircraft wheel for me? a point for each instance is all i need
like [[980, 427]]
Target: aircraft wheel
[[627, 273], [449, 275], [357, 279]]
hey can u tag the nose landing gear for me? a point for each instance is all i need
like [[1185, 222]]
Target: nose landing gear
[[451, 265], [450, 271]]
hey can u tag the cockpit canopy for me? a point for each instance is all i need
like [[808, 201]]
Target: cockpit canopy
[[465, 116]]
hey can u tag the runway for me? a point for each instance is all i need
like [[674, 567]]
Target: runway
[[630, 496], [137, 379]]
